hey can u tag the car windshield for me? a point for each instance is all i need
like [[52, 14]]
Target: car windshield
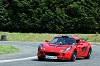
[[63, 40]]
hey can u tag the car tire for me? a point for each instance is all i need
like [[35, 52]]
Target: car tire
[[41, 59], [88, 55], [73, 57]]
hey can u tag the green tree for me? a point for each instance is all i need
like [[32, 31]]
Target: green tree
[[53, 16]]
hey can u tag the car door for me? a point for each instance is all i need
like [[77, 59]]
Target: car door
[[80, 48]]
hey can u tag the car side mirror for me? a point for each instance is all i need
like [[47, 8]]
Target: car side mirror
[[48, 41]]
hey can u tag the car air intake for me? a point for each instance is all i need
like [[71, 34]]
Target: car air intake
[[52, 53]]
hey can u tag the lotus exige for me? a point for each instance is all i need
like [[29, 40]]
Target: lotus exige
[[65, 48]]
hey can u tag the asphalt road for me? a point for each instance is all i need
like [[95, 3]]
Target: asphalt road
[[28, 52]]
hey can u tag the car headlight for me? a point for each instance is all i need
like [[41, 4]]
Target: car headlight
[[67, 49], [40, 46]]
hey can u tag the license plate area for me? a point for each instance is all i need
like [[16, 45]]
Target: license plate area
[[50, 57]]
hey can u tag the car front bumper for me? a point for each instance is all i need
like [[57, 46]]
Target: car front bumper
[[55, 55]]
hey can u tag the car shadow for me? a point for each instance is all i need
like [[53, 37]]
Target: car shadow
[[57, 60], [80, 59]]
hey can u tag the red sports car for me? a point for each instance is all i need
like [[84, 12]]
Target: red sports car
[[65, 48]]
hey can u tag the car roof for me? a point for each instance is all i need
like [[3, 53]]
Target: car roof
[[74, 37]]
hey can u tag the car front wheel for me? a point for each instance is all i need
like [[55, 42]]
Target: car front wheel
[[73, 58]]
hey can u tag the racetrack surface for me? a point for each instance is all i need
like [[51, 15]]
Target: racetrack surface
[[28, 52]]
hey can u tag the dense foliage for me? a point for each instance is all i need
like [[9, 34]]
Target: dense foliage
[[50, 16]]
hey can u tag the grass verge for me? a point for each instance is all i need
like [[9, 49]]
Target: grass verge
[[8, 49], [40, 37]]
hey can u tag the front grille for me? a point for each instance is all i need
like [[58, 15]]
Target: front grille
[[52, 53]]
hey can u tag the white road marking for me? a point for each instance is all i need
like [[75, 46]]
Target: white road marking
[[11, 60]]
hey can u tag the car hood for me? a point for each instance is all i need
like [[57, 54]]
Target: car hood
[[55, 48]]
